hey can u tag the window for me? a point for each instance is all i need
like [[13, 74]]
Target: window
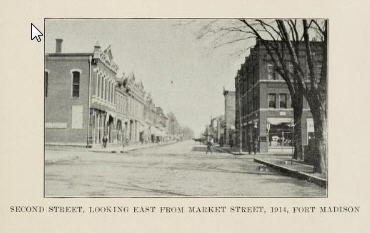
[[75, 84], [46, 75], [102, 84], [97, 85], [291, 70], [272, 100], [270, 72], [277, 76], [291, 67], [106, 89], [318, 69], [283, 101]]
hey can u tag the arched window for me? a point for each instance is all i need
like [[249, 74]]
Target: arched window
[[97, 85], [75, 84], [46, 83], [102, 87]]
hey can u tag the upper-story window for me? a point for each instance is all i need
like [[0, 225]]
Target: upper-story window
[[277, 75], [270, 71], [272, 100], [97, 85], [46, 84], [283, 100], [318, 69], [102, 83], [75, 84]]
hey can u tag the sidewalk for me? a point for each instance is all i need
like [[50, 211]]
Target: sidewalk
[[111, 148], [287, 165], [283, 163], [116, 148]]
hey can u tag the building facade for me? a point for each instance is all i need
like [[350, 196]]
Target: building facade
[[217, 129], [263, 105], [85, 100], [229, 130]]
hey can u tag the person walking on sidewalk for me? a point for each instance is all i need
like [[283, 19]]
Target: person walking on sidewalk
[[255, 145], [105, 140], [123, 144]]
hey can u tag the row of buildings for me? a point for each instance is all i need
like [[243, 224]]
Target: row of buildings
[[259, 113], [86, 99]]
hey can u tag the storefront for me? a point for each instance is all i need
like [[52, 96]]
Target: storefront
[[280, 132]]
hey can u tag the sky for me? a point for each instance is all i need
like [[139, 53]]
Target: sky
[[184, 74]]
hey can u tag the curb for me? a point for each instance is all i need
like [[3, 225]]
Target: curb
[[119, 149], [294, 173]]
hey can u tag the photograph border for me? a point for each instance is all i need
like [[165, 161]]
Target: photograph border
[[182, 197]]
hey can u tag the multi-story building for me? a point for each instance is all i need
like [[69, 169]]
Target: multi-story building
[[79, 96], [263, 104], [135, 109], [217, 129], [85, 100], [229, 131]]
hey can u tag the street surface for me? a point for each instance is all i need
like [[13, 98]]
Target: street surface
[[181, 169]]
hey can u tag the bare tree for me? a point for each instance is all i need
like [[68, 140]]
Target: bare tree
[[286, 42]]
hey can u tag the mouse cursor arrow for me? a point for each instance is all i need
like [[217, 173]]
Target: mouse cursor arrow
[[35, 33]]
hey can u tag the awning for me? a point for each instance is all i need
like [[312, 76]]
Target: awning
[[278, 121]]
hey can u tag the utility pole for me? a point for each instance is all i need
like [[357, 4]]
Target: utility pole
[[240, 117]]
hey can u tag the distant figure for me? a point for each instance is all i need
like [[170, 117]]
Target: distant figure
[[250, 146], [255, 145], [123, 143], [209, 146], [105, 140]]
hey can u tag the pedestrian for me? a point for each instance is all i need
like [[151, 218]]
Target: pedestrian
[[255, 145], [105, 140], [209, 146], [250, 145], [123, 144]]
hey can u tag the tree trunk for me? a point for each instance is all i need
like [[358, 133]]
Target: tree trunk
[[297, 104], [318, 110], [320, 124]]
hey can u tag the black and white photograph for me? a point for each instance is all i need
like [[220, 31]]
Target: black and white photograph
[[186, 107]]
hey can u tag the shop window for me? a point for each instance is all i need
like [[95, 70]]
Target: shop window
[[272, 100], [283, 100], [75, 84]]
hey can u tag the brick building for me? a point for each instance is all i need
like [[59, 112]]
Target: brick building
[[85, 100], [229, 130], [217, 129], [264, 112]]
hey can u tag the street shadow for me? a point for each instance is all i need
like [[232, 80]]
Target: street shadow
[[199, 148]]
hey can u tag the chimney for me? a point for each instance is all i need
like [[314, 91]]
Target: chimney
[[58, 47], [97, 50]]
